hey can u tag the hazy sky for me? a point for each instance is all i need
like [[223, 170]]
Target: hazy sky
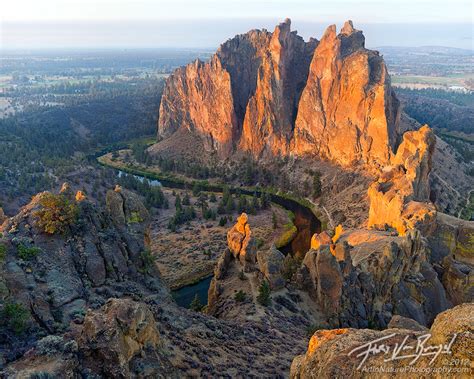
[[205, 23]]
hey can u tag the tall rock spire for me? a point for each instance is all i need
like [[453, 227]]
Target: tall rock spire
[[275, 94]]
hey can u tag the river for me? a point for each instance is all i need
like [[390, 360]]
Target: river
[[305, 221]]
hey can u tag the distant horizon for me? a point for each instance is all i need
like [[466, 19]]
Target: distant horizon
[[209, 34], [209, 49]]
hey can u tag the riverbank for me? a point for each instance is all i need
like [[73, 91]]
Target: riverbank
[[186, 257], [180, 181]]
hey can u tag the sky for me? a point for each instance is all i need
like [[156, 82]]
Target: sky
[[205, 23]]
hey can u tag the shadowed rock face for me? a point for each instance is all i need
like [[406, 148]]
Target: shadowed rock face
[[370, 275], [100, 256], [273, 93], [114, 334]]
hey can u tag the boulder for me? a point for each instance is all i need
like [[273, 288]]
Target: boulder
[[451, 241], [452, 236], [114, 202], [400, 322], [54, 366], [270, 263], [126, 207], [458, 280], [457, 323], [340, 352], [318, 240], [114, 334]]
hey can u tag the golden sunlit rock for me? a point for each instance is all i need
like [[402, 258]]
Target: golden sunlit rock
[[400, 197], [80, 196], [240, 241], [320, 239], [348, 112], [337, 233], [322, 336], [275, 94]]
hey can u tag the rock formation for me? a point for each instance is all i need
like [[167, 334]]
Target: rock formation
[[125, 207], [452, 245], [241, 243], [89, 303], [275, 94], [318, 240], [282, 73], [325, 279], [215, 288], [400, 322], [400, 197], [367, 277], [270, 263], [198, 97], [333, 353], [264, 264], [347, 112], [57, 277], [115, 334], [241, 247]]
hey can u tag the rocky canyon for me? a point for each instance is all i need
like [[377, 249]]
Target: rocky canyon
[[305, 208]]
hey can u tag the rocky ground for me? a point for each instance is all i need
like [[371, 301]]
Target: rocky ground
[[91, 303], [335, 353]]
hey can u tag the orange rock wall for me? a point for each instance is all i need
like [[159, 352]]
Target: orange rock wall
[[275, 94]]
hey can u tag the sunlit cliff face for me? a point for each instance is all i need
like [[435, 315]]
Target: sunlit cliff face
[[275, 94]]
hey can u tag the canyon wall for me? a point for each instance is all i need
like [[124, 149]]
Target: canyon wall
[[275, 94]]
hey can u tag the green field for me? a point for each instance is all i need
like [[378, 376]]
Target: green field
[[445, 81]]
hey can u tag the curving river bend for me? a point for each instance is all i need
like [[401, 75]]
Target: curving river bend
[[305, 221]]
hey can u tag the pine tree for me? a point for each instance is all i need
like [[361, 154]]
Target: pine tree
[[254, 205], [177, 203], [242, 207], [263, 296], [222, 221], [186, 199], [230, 205], [317, 186], [196, 305]]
